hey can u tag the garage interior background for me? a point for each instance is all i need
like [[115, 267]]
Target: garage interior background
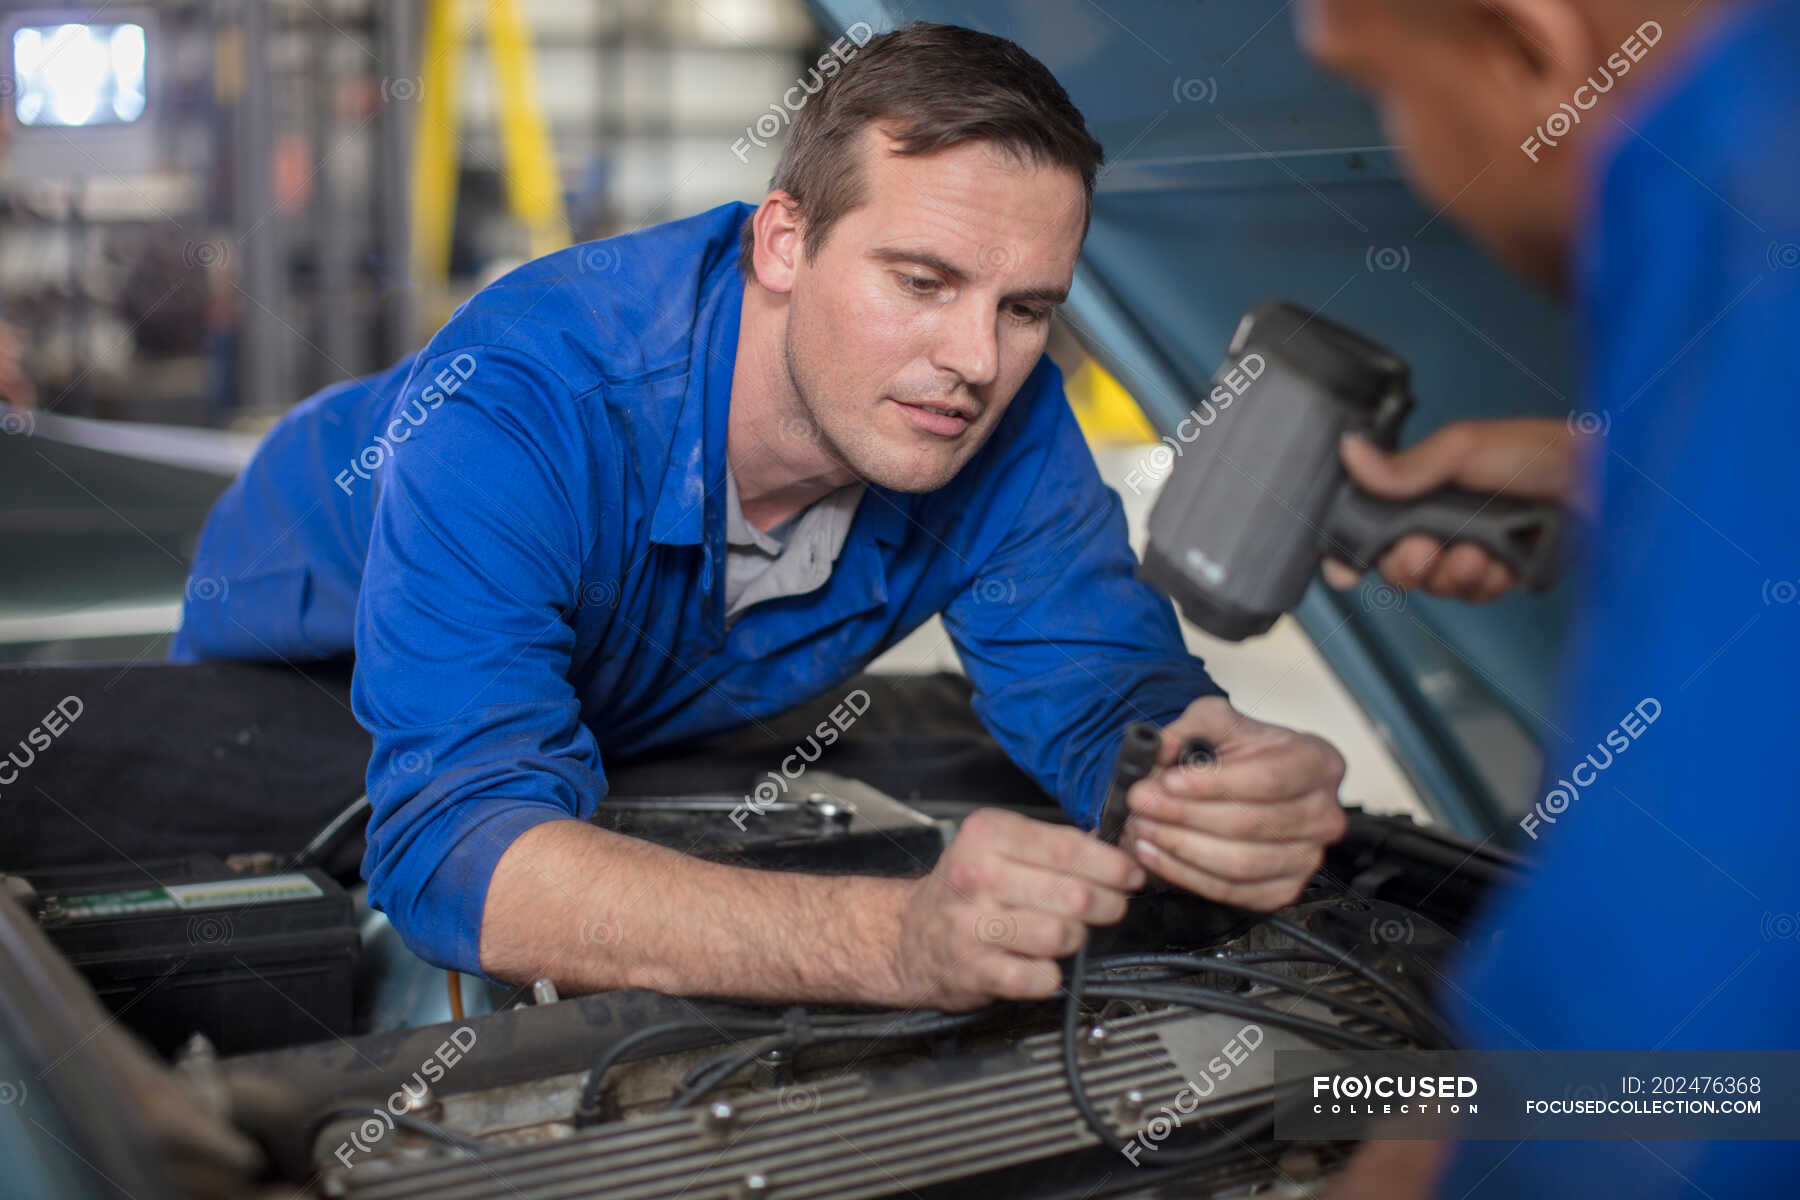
[[290, 211], [211, 209]]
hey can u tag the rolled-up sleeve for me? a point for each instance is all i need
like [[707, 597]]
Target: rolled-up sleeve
[[1065, 646], [484, 518]]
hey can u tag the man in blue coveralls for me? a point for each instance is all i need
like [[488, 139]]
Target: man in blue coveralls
[[1646, 156], [657, 487]]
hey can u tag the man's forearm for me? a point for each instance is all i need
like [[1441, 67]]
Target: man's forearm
[[594, 910]]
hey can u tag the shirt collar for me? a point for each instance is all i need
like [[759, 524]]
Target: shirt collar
[[696, 472], [695, 478], [738, 530]]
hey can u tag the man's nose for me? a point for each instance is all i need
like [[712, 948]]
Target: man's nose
[[970, 344]]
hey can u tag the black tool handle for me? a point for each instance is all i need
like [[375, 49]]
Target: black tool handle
[[1526, 535], [1137, 758]]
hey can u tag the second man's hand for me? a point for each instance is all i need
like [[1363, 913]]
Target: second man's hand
[[1531, 458], [1250, 829]]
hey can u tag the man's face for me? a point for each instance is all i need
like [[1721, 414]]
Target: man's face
[[1460, 85], [928, 305]]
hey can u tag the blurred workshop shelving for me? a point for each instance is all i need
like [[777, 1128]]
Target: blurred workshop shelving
[[262, 249]]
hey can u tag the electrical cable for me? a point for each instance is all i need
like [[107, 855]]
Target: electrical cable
[[1233, 1004], [1223, 1142], [587, 1106], [717, 1070], [1374, 978], [1230, 965], [328, 838], [709, 1075], [401, 1120]]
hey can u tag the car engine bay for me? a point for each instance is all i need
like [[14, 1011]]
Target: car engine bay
[[1151, 1075]]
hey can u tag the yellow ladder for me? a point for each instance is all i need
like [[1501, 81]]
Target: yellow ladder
[[533, 189]]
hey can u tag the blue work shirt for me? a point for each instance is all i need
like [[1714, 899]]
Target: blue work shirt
[[521, 532], [1665, 914]]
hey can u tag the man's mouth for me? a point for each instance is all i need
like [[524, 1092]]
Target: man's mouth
[[940, 419]]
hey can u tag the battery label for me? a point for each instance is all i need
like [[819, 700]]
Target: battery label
[[186, 897], [230, 893]]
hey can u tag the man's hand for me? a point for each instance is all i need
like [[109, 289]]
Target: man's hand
[[1250, 829], [1008, 898], [1531, 458]]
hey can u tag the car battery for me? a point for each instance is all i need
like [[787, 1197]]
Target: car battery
[[181, 946]]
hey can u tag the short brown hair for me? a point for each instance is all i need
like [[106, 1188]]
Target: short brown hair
[[935, 86]]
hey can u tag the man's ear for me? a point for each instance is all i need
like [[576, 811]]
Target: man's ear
[[780, 233], [1545, 48]]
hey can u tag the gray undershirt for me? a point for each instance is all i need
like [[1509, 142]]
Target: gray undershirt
[[793, 558]]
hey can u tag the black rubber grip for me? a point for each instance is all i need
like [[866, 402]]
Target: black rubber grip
[[1137, 758], [1526, 535]]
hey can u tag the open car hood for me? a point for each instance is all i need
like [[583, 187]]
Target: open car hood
[[1238, 172]]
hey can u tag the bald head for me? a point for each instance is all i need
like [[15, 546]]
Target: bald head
[[1498, 105]]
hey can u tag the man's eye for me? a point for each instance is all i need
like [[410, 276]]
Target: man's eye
[[1026, 314], [918, 285]]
